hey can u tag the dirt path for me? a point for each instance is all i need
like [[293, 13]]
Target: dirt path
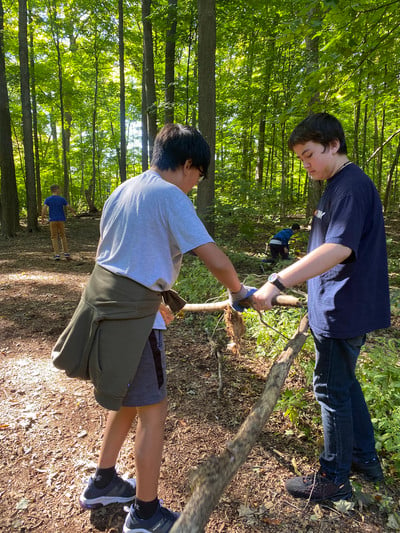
[[51, 427]]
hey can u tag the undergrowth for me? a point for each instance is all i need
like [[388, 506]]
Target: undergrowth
[[378, 369]]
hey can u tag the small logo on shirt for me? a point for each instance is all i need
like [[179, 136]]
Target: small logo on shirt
[[319, 214]]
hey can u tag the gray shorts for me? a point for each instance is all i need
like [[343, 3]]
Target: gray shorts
[[149, 386]]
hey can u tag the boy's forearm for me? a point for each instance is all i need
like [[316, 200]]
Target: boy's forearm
[[314, 263], [219, 265]]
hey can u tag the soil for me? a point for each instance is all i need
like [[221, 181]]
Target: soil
[[51, 426]]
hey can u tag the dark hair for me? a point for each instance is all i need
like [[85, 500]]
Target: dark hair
[[176, 143], [322, 128], [54, 188], [295, 227]]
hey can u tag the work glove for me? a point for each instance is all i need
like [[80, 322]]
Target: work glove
[[236, 299]]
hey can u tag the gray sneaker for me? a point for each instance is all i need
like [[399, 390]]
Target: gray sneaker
[[117, 491], [161, 521]]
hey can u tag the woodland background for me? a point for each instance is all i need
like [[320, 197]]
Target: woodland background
[[84, 87]]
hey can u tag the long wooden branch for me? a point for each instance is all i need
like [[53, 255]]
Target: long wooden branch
[[281, 299], [213, 476]]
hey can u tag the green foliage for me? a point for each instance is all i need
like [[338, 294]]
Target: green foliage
[[196, 284], [379, 375]]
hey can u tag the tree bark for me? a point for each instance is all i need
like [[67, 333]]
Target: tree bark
[[281, 299], [9, 196], [206, 61], [35, 120], [393, 166], [312, 45], [213, 476], [170, 45], [64, 135], [150, 88], [122, 111], [32, 222], [92, 184]]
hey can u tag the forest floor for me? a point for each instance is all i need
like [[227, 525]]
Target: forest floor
[[51, 426]]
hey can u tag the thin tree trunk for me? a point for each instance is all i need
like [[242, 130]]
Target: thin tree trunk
[[357, 116], [145, 131], [35, 121], [9, 196], [122, 111], [92, 185], [31, 204], [364, 140], [380, 155], [206, 62], [283, 199], [390, 178], [64, 139], [312, 44], [150, 93], [170, 61], [261, 150]]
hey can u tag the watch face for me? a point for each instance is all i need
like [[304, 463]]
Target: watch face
[[273, 277]]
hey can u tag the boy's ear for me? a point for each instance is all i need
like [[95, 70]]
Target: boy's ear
[[187, 165], [335, 145]]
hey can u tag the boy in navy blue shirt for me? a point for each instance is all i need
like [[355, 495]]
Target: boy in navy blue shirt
[[56, 205], [348, 296]]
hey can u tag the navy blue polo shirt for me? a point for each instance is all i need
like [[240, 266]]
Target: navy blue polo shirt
[[351, 298]]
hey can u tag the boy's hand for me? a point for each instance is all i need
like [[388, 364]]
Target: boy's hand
[[166, 313], [236, 298]]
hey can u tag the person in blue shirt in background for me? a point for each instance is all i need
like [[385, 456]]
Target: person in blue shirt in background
[[56, 205], [279, 244]]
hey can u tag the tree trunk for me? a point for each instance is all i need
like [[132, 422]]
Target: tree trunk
[[206, 62], [64, 136], [32, 223], [393, 166], [357, 116], [145, 131], [212, 477], [122, 112], [92, 185], [170, 62], [9, 195], [35, 121], [283, 198], [261, 150], [380, 154], [312, 44], [150, 92]]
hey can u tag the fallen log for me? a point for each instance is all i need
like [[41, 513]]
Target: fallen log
[[211, 478], [281, 299]]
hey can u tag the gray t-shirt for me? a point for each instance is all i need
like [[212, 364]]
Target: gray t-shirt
[[146, 226]]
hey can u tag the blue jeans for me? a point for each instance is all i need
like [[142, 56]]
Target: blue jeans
[[348, 430]]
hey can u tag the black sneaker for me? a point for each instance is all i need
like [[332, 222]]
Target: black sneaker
[[317, 487], [370, 470], [117, 491], [161, 521]]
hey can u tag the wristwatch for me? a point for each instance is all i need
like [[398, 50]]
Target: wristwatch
[[274, 279]]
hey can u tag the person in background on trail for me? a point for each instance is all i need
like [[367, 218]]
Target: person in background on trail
[[279, 244], [348, 296], [56, 205], [147, 224]]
